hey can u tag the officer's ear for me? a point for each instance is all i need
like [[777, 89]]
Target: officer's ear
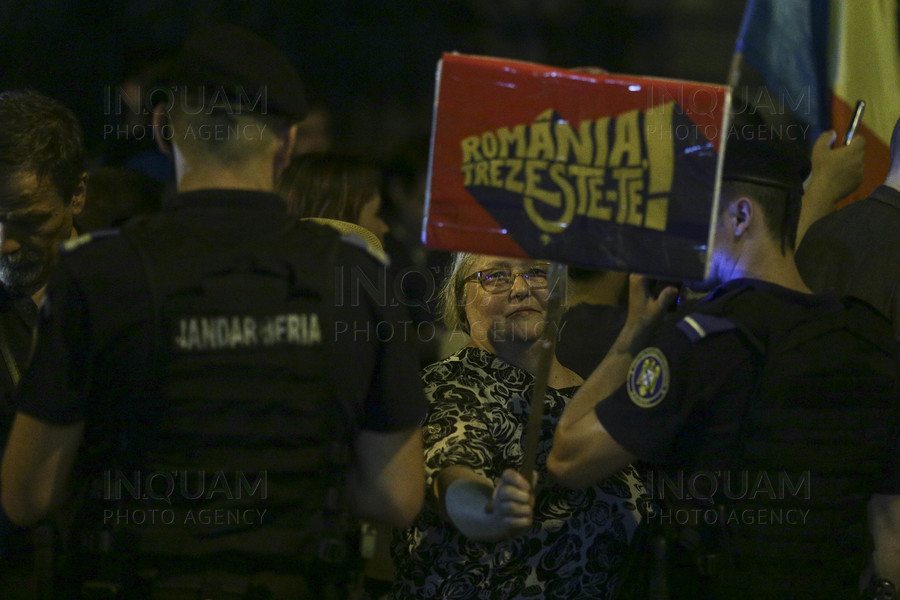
[[285, 150], [162, 129], [741, 213], [76, 205]]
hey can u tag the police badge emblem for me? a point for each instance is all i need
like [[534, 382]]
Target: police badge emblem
[[648, 378]]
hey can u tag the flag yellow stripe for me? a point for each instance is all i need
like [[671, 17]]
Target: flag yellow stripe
[[865, 60]]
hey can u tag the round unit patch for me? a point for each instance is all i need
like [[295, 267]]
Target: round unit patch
[[648, 378]]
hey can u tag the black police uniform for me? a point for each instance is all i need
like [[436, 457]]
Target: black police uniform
[[217, 448], [758, 498]]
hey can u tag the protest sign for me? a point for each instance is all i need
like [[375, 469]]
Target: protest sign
[[597, 170]]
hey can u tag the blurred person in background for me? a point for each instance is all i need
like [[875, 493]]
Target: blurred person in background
[[43, 187], [335, 186]]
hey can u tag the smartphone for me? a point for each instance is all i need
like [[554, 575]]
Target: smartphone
[[854, 121]]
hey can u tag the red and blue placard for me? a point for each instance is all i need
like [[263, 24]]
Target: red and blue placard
[[596, 170]]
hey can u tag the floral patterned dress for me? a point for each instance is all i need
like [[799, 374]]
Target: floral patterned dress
[[578, 540]]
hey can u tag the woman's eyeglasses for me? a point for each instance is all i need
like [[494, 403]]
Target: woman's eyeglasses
[[497, 281]]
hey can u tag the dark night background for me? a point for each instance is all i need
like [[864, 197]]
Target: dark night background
[[371, 62]]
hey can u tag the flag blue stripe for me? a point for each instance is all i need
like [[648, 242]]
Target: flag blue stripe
[[786, 42]]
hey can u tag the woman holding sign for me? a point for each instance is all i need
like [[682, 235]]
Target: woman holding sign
[[485, 532]]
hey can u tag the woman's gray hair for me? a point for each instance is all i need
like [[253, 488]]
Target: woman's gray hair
[[453, 292]]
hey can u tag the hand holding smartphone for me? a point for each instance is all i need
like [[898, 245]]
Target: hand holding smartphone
[[854, 121]]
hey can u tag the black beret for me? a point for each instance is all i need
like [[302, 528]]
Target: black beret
[[765, 161], [226, 60]]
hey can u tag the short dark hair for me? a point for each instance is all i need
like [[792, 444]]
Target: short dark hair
[[229, 138], [770, 171], [41, 135], [329, 185], [237, 87], [780, 206]]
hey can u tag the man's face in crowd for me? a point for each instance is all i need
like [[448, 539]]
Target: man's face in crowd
[[34, 220]]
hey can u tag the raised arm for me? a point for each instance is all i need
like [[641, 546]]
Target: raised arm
[[836, 172], [583, 452]]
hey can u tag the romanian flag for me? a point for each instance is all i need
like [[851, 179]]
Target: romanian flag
[[816, 59]]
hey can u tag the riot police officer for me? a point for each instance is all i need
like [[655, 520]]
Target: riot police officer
[[191, 365], [770, 412]]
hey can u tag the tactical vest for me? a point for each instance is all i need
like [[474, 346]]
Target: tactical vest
[[816, 436], [238, 461]]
